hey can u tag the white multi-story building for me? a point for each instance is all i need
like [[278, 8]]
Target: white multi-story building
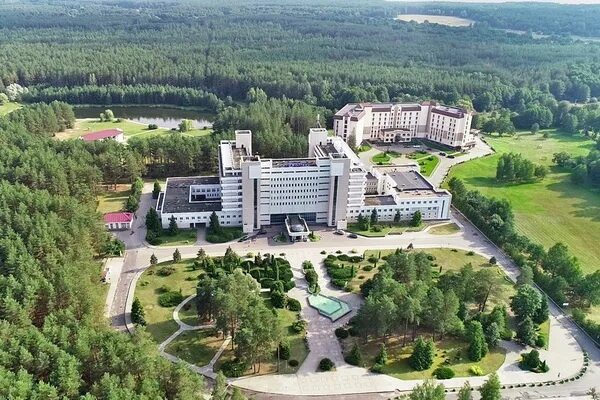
[[331, 187], [396, 122]]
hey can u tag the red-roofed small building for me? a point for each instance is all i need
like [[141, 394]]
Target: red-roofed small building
[[118, 220], [114, 134]]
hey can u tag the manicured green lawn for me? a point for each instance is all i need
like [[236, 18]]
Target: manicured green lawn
[[428, 164], [9, 107], [381, 159], [182, 238], [545, 332], [546, 211], [387, 228], [445, 229], [196, 347], [113, 200], [160, 319], [364, 147], [447, 349]]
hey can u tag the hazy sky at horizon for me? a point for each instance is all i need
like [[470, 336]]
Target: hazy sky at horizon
[[505, 1]]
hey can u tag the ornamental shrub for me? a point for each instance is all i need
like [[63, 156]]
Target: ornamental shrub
[[341, 333], [293, 304], [293, 363], [165, 271], [170, 299], [476, 370], [326, 364], [234, 368], [443, 373], [284, 350]]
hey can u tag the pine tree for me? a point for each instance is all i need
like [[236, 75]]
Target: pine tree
[[153, 223], [491, 389], [541, 314], [176, 256], [219, 391], [477, 344], [465, 392], [374, 217], [397, 216], [382, 357], [214, 226], [153, 259], [173, 228], [156, 190], [137, 313], [416, 219], [422, 355]]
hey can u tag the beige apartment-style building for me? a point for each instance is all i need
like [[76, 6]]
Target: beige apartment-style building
[[397, 122]]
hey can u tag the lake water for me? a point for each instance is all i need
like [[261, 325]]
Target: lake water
[[164, 117]]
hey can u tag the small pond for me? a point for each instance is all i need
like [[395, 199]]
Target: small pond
[[164, 117]]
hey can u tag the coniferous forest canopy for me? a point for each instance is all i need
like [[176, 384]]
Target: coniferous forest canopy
[[266, 66]]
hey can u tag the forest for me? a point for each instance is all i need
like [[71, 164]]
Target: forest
[[210, 54]]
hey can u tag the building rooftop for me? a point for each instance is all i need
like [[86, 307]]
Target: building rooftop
[[294, 163], [328, 149], [449, 111], [410, 180], [114, 217], [177, 195], [371, 177], [383, 200], [104, 134]]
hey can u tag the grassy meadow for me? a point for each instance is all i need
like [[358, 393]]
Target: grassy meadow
[[547, 211]]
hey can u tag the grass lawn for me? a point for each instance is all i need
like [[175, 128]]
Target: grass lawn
[[196, 347], [428, 164], [448, 349], [113, 199], [544, 330], [227, 234], [445, 229], [381, 159], [298, 350], [8, 108], [183, 237], [130, 129], [160, 319], [364, 147], [387, 228], [550, 210]]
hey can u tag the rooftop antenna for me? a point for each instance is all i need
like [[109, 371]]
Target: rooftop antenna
[[318, 120]]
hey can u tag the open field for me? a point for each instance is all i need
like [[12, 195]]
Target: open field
[[435, 19], [546, 211], [445, 229], [196, 347], [182, 238], [160, 323], [130, 129], [9, 107], [113, 199]]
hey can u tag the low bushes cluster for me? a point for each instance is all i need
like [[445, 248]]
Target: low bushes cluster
[[531, 362], [234, 368], [165, 271], [293, 304], [170, 298], [298, 326], [476, 370], [340, 274], [444, 373], [326, 364], [341, 333], [225, 234]]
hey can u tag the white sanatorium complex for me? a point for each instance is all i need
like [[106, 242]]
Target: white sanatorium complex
[[331, 186], [395, 122]]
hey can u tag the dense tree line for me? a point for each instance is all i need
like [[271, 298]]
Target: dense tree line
[[513, 167], [126, 94], [583, 169], [556, 271], [54, 341], [286, 49]]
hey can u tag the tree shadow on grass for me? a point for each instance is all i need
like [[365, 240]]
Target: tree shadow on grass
[[588, 204]]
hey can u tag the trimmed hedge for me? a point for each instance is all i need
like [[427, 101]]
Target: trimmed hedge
[[326, 364]]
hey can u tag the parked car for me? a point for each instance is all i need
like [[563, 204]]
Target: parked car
[[353, 236], [243, 238], [442, 153], [338, 232], [261, 232]]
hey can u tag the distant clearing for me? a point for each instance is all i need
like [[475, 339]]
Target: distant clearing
[[435, 19]]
